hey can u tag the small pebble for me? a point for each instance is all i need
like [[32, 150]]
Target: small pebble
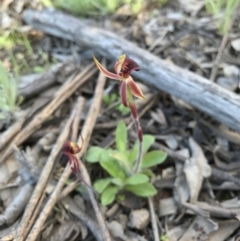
[[139, 219]]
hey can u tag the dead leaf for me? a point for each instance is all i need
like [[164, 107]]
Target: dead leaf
[[196, 168], [236, 44], [199, 229], [225, 229]]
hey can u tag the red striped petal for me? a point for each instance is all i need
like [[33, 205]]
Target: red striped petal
[[105, 71], [135, 90], [123, 93]]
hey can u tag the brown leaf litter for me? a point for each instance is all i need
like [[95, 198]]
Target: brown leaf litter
[[198, 185]]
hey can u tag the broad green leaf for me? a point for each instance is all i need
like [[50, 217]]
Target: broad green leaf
[[118, 181], [153, 158], [142, 190], [148, 140], [93, 154], [122, 159], [106, 155], [137, 179], [121, 137], [109, 195], [113, 168], [101, 184]]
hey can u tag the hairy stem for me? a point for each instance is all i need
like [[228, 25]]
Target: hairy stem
[[138, 129]]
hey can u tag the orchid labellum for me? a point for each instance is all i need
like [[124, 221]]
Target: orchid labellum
[[123, 68]]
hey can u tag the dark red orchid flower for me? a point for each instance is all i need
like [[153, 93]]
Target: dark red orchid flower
[[123, 68], [70, 149]]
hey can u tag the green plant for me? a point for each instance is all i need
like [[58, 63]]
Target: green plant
[[111, 99], [164, 237], [47, 3], [8, 92], [123, 109], [119, 164], [84, 7], [216, 6]]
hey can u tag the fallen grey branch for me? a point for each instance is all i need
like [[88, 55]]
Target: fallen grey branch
[[201, 93]]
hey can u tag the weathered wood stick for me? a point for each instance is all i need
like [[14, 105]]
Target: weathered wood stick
[[201, 93]]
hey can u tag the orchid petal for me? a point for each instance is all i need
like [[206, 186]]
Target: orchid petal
[[105, 71], [123, 93], [119, 63], [135, 90], [75, 166]]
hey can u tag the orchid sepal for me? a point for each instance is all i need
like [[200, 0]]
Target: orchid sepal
[[105, 71], [123, 93], [135, 90]]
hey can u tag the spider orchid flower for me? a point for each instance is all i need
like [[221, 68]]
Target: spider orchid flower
[[123, 68], [70, 149]]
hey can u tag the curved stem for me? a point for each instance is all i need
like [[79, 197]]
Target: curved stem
[[138, 129]]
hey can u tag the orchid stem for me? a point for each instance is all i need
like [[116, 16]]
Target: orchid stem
[[133, 109]]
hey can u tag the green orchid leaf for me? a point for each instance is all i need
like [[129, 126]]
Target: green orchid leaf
[[109, 195], [94, 153], [137, 179], [153, 158], [148, 172], [121, 137], [101, 184], [113, 168], [142, 190], [122, 159], [118, 181], [148, 140]]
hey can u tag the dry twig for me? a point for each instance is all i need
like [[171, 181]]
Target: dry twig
[[44, 177], [201, 93], [54, 196], [64, 92], [86, 134], [153, 219]]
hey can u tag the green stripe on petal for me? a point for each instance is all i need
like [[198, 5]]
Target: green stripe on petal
[[135, 90]]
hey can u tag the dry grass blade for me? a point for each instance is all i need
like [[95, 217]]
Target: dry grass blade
[[64, 92], [153, 219]]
